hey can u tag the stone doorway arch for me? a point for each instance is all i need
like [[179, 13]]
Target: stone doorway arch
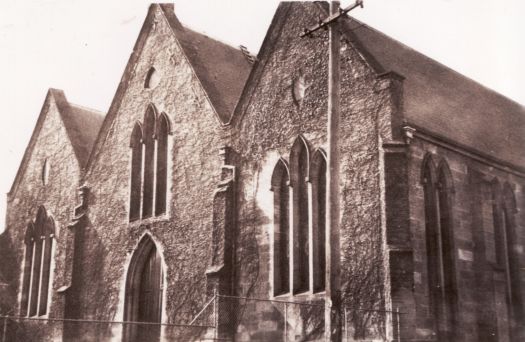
[[144, 289]]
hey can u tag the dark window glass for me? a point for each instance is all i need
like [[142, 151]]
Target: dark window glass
[[281, 262], [162, 165]]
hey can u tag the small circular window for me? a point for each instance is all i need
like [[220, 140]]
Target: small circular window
[[45, 172]]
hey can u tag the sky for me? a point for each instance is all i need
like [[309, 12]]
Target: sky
[[82, 48]]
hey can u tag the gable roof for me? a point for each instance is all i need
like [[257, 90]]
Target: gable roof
[[221, 69], [435, 97], [270, 38], [81, 125], [444, 102]]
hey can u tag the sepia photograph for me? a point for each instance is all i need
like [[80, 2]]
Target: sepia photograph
[[242, 170]]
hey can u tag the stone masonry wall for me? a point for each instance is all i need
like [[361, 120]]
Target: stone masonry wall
[[58, 196], [183, 234], [271, 122], [481, 286]]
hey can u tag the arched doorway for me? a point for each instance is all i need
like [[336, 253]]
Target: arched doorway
[[144, 286]]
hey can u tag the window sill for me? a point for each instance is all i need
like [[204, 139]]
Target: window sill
[[301, 297], [36, 317], [149, 220]]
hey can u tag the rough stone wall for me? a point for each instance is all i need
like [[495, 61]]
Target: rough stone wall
[[58, 196], [481, 286], [183, 234], [271, 121]]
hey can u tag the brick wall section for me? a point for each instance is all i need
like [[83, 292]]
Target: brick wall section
[[271, 123], [183, 235], [481, 287], [58, 197]]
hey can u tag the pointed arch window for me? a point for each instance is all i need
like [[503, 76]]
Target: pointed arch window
[[438, 191], [162, 164], [136, 172], [318, 181], [29, 243], [506, 255], [149, 165], [445, 191], [281, 238], [144, 290], [299, 164], [149, 161], [299, 192], [37, 265]]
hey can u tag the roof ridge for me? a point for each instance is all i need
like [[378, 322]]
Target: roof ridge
[[220, 40], [441, 64], [89, 109], [79, 128], [221, 69]]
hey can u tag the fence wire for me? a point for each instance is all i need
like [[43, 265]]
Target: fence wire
[[252, 319], [26, 329], [222, 318]]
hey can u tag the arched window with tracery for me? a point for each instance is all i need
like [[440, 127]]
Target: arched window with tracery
[[318, 181], [299, 167], [511, 258], [29, 243], [299, 235], [149, 161], [445, 198], [136, 172], [499, 242], [149, 165], [438, 189], [281, 240], [49, 233], [162, 164], [37, 265]]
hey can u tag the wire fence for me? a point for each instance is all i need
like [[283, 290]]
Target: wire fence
[[255, 319], [222, 318], [26, 329]]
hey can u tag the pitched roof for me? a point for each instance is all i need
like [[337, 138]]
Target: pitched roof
[[435, 97], [444, 102], [81, 124], [221, 69]]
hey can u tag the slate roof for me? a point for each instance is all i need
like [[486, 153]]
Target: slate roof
[[221, 69], [82, 125], [443, 101]]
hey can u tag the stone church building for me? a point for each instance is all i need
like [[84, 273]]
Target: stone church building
[[206, 179]]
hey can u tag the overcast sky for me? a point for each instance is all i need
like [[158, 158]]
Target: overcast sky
[[81, 47]]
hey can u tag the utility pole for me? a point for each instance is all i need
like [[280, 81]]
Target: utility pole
[[333, 299]]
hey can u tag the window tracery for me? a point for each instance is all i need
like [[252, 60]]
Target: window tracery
[[149, 165], [37, 265], [299, 191]]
